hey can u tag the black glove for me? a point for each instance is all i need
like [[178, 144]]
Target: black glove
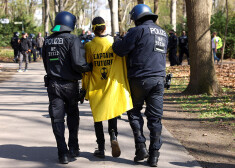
[[90, 66]]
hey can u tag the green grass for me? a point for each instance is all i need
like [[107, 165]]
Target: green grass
[[6, 52], [214, 108]]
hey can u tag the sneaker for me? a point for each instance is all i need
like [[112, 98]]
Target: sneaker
[[19, 70], [26, 70]]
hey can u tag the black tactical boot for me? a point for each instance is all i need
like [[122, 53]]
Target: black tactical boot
[[141, 152], [116, 152], [73, 153], [100, 152], [64, 159], [153, 158]]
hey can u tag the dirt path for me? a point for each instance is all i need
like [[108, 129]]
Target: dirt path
[[212, 144]]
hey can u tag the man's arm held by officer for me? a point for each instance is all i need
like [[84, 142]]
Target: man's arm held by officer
[[124, 46], [79, 63]]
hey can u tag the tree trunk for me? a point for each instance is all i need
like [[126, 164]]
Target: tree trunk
[[156, 9], [56, 6], [61, 5], [120, 14], [173, 14], [202, 71], [47, 10], [140, 1], [225, 34], [6, 7], [184, 9], [113, 4]]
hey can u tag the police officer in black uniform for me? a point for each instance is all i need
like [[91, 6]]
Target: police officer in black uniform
[[15, 45], [183, 46], [146, 47], [32, 50], [64, 61], [172, 46]]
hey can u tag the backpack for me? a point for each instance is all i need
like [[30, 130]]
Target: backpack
[[220, 43]]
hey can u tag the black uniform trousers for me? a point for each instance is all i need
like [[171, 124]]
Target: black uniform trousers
[[16, 54], [63, 100], [172, 56], [183, 51], [150, 90], [99, 131], [33, 51]]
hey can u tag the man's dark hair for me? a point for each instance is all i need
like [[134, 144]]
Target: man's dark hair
[[97, 28]]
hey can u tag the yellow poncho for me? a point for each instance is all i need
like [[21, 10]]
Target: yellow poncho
[[107, 85]]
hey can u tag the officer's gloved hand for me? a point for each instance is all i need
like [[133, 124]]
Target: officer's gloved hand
[[91, 66]]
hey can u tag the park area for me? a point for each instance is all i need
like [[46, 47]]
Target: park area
[[203, 124]]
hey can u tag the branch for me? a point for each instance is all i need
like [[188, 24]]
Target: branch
[[71, 8], [124, 15], [204, 32], [65, 3]]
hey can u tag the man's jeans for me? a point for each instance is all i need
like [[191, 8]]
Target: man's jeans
[[24, 56], [214, 54]]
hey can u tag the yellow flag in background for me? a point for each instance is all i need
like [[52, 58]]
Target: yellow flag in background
[[107, 85]]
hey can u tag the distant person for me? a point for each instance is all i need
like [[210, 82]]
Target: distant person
[[183, 47], [89, 36], [46, 35], [25, 46], [33, 48], [82, 36], [15, 45], [172, 47], [215, 46], [108, 90], [39, 41]]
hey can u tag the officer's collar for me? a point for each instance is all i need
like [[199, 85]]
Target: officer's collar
[[147, 22]]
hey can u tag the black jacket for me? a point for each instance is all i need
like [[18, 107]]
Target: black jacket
[[145, 47], [64, 56], [25, 44], [183, 42], [33, 43], [14, 43], [172, 42]]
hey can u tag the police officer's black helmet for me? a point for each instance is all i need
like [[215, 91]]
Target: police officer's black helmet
[[31, 35], [64, 21], [16, 34], [142, 10]]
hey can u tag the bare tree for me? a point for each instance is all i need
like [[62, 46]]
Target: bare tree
[[47, 10], [61, 5], [184, 9], [156, 8], [6, 7], [226, 31], [113, 4], [56, 6], [173, 13], [202, 72]]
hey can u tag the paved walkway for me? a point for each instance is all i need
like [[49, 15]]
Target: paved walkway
[[27, 141]]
